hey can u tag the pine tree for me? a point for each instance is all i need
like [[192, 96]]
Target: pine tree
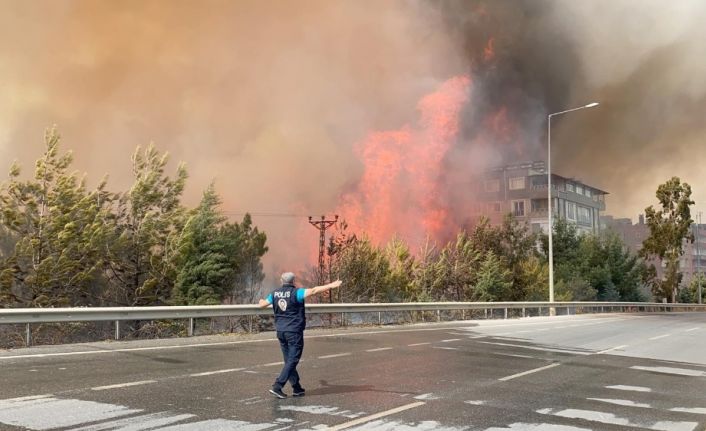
[[61, 229], [494, 280], [205, 262], [149, 221]]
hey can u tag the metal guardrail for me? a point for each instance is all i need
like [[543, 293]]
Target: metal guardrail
[[29, 316]]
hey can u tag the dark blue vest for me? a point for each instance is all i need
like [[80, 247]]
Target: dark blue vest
[[289, 313]]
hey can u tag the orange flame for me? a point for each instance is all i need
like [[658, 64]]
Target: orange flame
[[401, 190]]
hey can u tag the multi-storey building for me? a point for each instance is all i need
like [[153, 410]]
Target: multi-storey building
[[693, 260], [521, 189]]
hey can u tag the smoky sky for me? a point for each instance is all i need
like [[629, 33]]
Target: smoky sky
[[269, 98]]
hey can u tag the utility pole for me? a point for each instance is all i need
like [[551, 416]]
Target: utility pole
[[322, 225], [698, 258]]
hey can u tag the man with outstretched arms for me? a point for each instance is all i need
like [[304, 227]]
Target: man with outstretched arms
[[288, 305]]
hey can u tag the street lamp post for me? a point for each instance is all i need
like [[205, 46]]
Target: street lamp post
[[549, 195]]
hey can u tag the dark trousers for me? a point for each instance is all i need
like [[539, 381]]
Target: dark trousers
[[292, 345]]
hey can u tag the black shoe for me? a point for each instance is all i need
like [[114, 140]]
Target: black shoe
[[278, 393], [299, 392]]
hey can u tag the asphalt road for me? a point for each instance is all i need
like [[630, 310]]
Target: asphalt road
[[568, 373]]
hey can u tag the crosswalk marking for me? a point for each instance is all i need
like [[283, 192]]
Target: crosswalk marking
[[610, 418], [137, 423]]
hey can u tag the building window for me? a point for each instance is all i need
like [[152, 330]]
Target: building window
[[571, 211], [587, 192], [579, 189], [492, 185], [517, 183], [584, 215], [518, 208], [570, 187]]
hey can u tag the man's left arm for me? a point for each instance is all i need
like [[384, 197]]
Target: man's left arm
[[264, 303]]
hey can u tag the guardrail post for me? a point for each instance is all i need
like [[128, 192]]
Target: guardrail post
[[463, 314], [190, 329], [343, 319], [28, 340], [505, 313], [380, 318], [250, 324], [486, 312], [438, 315], [523, 311], [117, 329]]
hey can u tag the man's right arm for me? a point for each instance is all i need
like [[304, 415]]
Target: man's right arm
[[320, 289]]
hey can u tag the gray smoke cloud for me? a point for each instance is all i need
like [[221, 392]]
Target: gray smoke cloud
[[268, 97]]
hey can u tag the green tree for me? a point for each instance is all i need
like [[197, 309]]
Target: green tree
[[204, 262], [457, 269], [247, 245], [150, 218], [691, 293], [62, 231], [669, 228], [494, 280], [518, 244], [402, 265], [366, 270]]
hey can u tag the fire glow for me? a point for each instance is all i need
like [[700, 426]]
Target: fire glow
[[401, 191]]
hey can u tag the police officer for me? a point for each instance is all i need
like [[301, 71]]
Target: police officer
[[288, 305]]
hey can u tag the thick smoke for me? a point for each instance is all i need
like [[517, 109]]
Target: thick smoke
[[643, 60], [269, 98]]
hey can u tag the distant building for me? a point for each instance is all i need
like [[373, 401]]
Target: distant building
[[521, 189], [633, 235], [693, 260]]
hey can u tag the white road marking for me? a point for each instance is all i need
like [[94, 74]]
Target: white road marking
[[670, 370], [659, 336], [137, 423], [514, 376], [337, 355], [610, 418], [417, 344], [123, 385], [544, 349], [215, 344], [322, 410], [476, 402], [376, 416], [210, 373], [630, 388], [273, 364], [445, 348], [401, 425], [611, 349], [219, 424], [692, 329], [429, 396], [521, 426], [695, 410], [516, 356], [450, 340], [51, 412], [379, 349], [628, 403]]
